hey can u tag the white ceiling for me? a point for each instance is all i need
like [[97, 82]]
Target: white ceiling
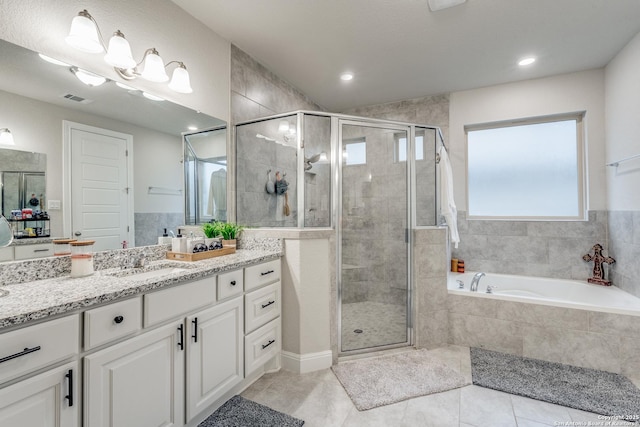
[[399, 49]]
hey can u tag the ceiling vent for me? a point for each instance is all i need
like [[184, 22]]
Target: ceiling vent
[[77, 98]]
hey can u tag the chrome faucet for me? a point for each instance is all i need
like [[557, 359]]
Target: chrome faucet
[[475, 281]]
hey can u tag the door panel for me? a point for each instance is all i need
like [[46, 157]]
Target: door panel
[[374, 279], [100, 201]]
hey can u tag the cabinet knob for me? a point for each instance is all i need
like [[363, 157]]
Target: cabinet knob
[[233, 283], [118, 319]]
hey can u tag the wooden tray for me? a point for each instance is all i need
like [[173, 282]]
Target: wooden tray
[[181, 256]]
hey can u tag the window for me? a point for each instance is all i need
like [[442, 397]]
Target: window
[[532, 169], [355, 153], [401, 148]]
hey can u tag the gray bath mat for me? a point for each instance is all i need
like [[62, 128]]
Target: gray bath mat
[[601, 392], [389, 379], [241, 412]]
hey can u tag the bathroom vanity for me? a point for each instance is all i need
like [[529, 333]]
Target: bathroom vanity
[[162, 345]]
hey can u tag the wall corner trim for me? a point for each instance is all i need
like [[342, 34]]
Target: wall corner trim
[[305, 363]]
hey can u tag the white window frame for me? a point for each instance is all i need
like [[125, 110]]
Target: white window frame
[[581, 163]]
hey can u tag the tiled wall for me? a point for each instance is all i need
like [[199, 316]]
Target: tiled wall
[[584, 338], [531, 248], [624, 247], [150, 225]]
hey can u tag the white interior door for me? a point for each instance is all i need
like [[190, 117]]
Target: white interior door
[[100, 196]]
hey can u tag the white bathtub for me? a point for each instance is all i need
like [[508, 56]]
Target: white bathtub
[[545, 291]]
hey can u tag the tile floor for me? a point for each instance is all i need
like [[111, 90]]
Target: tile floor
[[380, 323], [319, 400]]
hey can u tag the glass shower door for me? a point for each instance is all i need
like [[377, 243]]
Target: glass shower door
[[373, 248]]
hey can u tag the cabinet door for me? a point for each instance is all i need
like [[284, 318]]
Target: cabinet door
[[139, 382], [214, 354], [46, 400]]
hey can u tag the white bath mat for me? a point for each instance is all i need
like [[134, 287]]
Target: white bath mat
[[389, 379]]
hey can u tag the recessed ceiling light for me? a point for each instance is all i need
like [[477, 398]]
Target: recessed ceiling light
[[346, 76], [527, 61], [192, 127]]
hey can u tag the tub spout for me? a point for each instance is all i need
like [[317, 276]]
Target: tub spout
[[475, 281]]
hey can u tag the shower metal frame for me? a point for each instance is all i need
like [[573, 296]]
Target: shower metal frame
[[337, 120]]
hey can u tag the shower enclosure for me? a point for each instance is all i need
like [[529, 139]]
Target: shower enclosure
[[372, 180]]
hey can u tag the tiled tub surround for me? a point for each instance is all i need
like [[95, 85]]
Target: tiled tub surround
[[39, 298], [574, 336], [531, 248], [624, 246]]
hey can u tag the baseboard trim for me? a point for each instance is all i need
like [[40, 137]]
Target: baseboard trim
[[303, 363]]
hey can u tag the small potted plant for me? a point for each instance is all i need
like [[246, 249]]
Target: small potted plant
[[230, 232], [212, 235]]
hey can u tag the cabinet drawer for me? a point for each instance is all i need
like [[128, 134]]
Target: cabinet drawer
[[261, 274], [178, 300], [6, 254], [230, 284], [33, 251], [261, 306], [104, 324], [35, 347], [261, 345]]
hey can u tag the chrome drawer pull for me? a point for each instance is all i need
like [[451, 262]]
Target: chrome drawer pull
[[268, 304], [22, 353], [267, 272], [268, 344]]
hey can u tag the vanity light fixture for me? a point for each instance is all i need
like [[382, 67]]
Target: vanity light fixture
[[87, 77], [436, 5], [85, 35], [53, 60], [6, 137], [152, 97], [283, 126]]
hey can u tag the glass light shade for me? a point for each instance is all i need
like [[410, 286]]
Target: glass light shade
[[53, 60], [6, 137], [119, 52], [83, 35], [88, 78], [154, 68], [180, 80], [283, 126], [125, 87]]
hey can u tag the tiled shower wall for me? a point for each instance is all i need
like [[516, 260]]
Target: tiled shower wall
[[624, 247], [531, 248]]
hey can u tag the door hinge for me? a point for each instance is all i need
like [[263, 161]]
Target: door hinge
[[126, 189], [127, 228], [126, 153]]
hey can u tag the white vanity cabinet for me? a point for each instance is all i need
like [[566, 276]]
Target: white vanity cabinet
[[138, 382], [48, 399], [215, 355]]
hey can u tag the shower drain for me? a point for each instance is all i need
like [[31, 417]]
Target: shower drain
[[357, 331]]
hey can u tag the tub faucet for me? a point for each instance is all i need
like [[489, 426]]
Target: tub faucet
[[475, 281]]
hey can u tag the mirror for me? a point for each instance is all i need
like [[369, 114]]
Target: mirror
[[36, 96], [22, 180], [6, 235]]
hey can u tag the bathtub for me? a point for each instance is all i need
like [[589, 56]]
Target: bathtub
[[552, 292]]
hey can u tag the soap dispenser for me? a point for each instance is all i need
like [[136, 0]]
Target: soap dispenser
[[164, 239], [179, 244]]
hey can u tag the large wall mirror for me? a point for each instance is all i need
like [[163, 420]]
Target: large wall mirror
[[37, 97]]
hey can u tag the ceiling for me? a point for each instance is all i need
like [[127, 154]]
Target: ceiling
[[399, 49]]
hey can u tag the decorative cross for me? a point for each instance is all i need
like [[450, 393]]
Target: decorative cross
[[598, 259]]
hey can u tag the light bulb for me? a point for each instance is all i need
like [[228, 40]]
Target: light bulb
[[119, 52], [180, 80], [154, 68], [83, 34], [6, 137]]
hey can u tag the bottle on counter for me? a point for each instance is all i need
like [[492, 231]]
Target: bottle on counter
[[179, 244], [81, 258], [62, 246]]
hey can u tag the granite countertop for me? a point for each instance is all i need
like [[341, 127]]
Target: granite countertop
[[39, 299], [31, 241]]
